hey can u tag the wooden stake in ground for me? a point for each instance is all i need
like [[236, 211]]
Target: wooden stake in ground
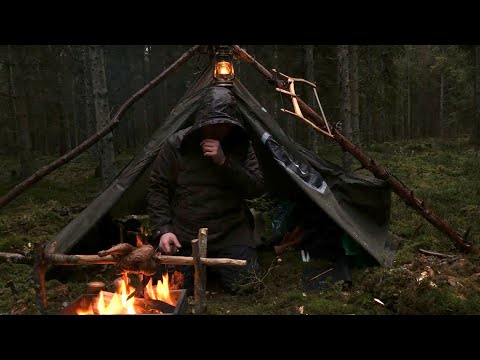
[[202, 244], [199, 289]]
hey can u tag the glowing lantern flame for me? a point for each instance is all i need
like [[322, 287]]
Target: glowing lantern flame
[[224, 69]]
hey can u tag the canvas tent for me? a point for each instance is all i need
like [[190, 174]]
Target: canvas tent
[[357, 204]]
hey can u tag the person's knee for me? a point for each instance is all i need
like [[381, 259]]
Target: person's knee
[[240, 279]]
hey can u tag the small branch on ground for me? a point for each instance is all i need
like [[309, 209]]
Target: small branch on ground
[[433, 253]]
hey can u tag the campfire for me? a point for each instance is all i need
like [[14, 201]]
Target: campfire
[[164, 298], [158, 299]]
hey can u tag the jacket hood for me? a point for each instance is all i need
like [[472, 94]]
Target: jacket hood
[[218, 105]]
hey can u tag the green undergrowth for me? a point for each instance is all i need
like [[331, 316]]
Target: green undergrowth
[[445, 175]]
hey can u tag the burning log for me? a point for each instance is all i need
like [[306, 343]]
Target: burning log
[[144, 262], [158, 300]]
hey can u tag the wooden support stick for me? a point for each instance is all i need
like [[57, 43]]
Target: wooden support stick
[[62, 259], [202, 241], [199, 289], [202, 245], [40, 269]]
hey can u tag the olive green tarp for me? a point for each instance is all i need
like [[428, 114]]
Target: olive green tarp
[[360, 205]]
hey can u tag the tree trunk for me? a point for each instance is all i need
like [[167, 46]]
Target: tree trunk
[[136, 55], [11, 91], [345, 106], [443, 120], [59, 103], [354, 93], [310, 76], [149, 127], [424, 120], [75, 120], [158, 64], [164, 90], [275, 98], [367, 129], [475, 137], [17, 57], [290, 127], [66, 102], [89, 107], [102, 114], [409, 99]]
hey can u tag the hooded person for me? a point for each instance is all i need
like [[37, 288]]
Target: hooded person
[[200, 179]]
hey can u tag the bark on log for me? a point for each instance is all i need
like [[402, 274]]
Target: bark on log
[[199, 289], [368, 163], [62, 259], [47, 169]]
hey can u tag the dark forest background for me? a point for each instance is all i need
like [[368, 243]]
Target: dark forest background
[[52, 97]]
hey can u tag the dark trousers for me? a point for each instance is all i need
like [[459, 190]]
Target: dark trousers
[[232, 278]]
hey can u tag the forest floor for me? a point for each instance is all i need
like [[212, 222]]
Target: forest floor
[[444, 174]]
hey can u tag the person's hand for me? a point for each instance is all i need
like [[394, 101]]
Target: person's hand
[[169, 243], [213, 149]]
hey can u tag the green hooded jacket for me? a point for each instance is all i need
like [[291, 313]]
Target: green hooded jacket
[[188, 191]]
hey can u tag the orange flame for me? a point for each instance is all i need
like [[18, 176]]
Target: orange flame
[[118, 304], [224, 68], [159, 292], [177, 281]]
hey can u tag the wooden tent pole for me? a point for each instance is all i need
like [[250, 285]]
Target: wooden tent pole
[[368, 163]]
